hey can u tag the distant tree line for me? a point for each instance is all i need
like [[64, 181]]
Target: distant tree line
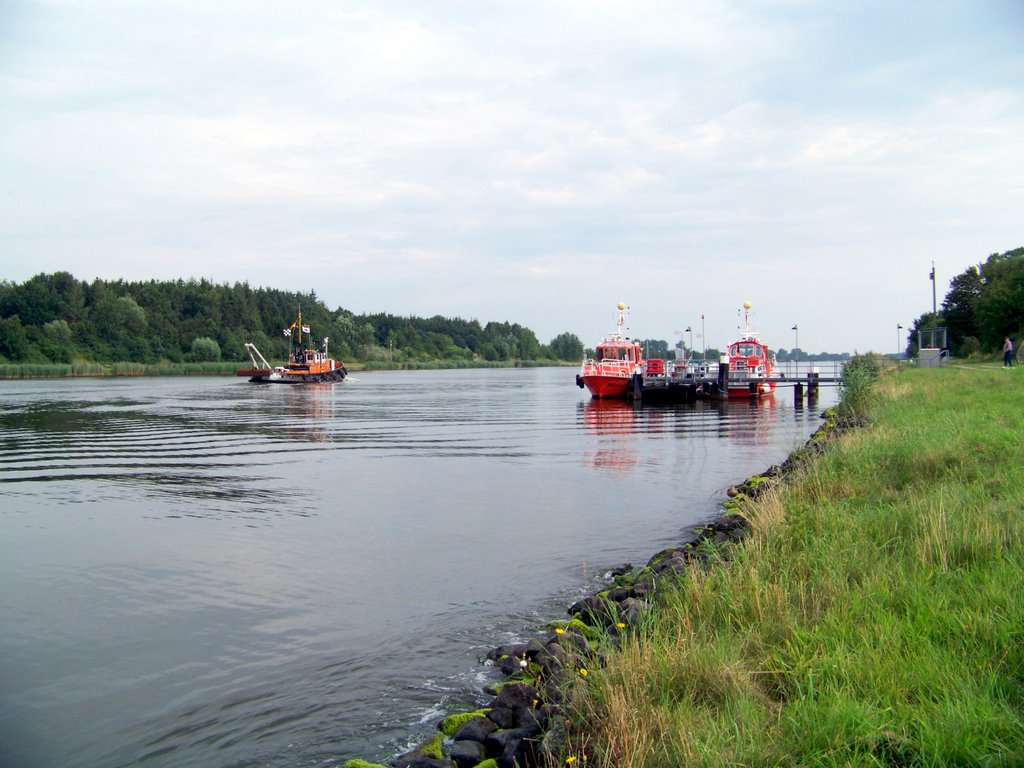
[[660, 348], [984, 305], [54, 318]]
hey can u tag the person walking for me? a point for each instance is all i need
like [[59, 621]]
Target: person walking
[[1007, 353]]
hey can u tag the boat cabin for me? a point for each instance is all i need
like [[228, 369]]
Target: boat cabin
[[306, 356], [630, 353], [747, 349]]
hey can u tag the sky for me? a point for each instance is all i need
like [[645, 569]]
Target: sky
[[529, 162]]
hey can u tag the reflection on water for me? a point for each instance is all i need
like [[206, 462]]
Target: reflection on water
[[210, 572], [614, 424]]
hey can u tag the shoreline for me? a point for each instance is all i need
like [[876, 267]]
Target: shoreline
[[524, 725]]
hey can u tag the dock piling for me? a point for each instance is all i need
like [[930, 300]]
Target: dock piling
[[812, 384]]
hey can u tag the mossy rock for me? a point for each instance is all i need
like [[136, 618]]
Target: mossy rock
[[591, 633], [488, 763], [433, 748], [754, 483], [659, 556], [452, 723], [361, 764], [627, 579]]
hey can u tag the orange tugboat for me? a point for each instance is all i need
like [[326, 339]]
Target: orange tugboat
[[306, 363], [752, 372], [616, 360]]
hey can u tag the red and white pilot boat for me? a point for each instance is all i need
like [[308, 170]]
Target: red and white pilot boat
[[307, 364], [617, 359], [752, 371]]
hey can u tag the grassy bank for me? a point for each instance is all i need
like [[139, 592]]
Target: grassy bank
[[875, 616]]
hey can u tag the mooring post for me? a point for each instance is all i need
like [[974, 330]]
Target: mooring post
[[798, 393], [812, 384], [723, 374]]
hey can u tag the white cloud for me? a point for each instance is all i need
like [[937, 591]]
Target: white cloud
[[400, 157]]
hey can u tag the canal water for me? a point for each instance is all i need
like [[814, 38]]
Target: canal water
[[201, 571]]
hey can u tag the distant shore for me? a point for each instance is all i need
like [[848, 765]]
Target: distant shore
[[14, 371]]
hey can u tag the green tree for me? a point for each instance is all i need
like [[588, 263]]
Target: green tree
[[999, 310], [526, 341], [56, 342], [118, 319], [567, 346], [14, 344], [205, 349], [959, 308], [654, 348]]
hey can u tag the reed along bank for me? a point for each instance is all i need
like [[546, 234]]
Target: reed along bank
[[874, 616]]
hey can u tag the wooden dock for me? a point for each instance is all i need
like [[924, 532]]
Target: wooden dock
[[713, 383]]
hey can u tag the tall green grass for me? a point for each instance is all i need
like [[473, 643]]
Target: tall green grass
[[59, 370], [875, 617], [193, 369], [33, 370]]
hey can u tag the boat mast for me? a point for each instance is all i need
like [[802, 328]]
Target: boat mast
[[623, 309]]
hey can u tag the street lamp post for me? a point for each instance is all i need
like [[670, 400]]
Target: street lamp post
[[689, 351], [796, 346], [898, 339]]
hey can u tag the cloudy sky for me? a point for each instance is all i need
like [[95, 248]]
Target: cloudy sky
[[534, 162]]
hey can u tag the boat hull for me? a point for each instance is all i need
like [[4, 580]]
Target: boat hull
[[752, 390], [278, 376], [606, 386]]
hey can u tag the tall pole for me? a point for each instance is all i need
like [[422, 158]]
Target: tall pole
[[898, 339], [689, 330], [704, 339], [935, 310]]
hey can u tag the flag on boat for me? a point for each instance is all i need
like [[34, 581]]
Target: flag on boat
[[287, 331], [305, 329]]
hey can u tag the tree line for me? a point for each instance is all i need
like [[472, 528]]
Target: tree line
[[984, 305], [55, 318], [660, 348]]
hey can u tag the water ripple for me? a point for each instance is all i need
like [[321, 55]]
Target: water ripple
[[207, 572]]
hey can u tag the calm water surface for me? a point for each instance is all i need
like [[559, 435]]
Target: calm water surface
[[201, 571]]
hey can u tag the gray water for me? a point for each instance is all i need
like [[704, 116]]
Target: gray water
[[206, 572]]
